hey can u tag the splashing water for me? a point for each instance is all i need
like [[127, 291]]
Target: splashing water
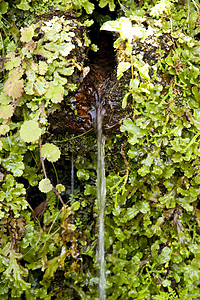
[[101, 195]]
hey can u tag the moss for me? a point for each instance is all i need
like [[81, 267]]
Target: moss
[[149, 83]]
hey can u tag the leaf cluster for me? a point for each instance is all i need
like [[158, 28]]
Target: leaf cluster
[[152, 212]]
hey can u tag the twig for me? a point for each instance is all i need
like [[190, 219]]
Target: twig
[[57, 194], [2, 44], [40, 142], [196, 9], [42, 160], [126, 161]]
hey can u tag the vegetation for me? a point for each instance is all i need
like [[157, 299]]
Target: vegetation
[[49, 237]]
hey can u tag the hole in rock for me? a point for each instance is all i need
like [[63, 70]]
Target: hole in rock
[[78, 110]]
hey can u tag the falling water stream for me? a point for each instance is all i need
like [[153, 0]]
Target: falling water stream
[[72, 174], [101, 195]]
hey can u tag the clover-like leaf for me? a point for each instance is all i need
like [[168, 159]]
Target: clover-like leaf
[[30, 131], [45, 185], [51, 152], [6, 111]]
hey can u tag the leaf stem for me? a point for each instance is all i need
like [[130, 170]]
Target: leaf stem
[[192, 141], [42, 160]]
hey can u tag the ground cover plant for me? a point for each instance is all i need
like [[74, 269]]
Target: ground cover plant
[[49, 235]]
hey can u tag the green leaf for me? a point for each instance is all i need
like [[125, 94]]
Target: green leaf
[[43, 67], [165, 255], [60, 188], [75, 206], [129, 126], [122, 67], [12, 61], [50, 152], [144, 71], [59, 80], [45, 185], [90, 190], [111, 26], [4, 99], [148, 161], [124, 101], [31, 77], [143, 207], [89, 7], [24, 5], [14, 166], [6, 111], [40, 86], [63, 48], [134, 83], [144, 170], [51, 268], [168, 172], [4, 128], [169, 199], [134, 131], [196, 93], [30, 131], [3, 7], [111, 4], [83, 174], [15, 272], [66, 71], [55, 93], [130, 213], [162, 8]]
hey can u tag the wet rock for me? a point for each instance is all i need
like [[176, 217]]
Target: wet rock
[[78, 111]]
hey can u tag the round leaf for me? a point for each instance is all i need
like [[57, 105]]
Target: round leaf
[[30, 131], [50, 152], [6, 111], [14, 87], [45, 185]]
